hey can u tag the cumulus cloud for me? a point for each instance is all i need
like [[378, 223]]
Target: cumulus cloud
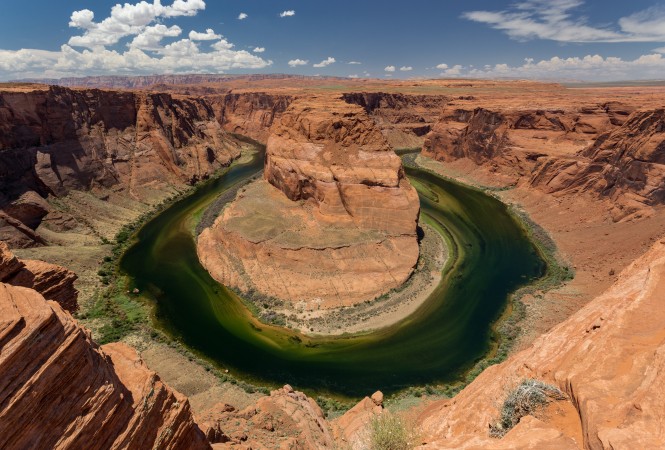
[[141, 23], [354, 62], [586, 68], [242, 16], [557, 20], [298, 62], [259, 49], [442, 66], [389, 68], [355, 75], [406, 68], [288, 13], [209, 35], [453, 71], [326, 62], [150, 38]]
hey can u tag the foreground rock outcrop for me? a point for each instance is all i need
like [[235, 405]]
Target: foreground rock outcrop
[[53, 282], [55, 140], [58, 389], [608, 358], [333, 223]]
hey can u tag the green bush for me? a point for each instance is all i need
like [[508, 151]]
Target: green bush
[[389, 432], [527, 398]]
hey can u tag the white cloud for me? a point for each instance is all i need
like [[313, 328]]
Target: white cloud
[[150, 38], [587, 68], [389, 68], [288, 13], [242, 16], [442, 66], [355, 75], [259, 49], [209, 35], [142, 23], [298, 62], [406, 68], [555, 20], [326, 62], [354, 62], [453, 71], [126, 20]]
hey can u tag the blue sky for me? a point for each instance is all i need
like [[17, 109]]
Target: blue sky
[[541, 39]]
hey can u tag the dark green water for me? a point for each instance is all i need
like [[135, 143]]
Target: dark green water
[[491, 258]]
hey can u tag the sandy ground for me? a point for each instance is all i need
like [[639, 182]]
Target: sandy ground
[[198, 383], [586, 236], [381, 312]]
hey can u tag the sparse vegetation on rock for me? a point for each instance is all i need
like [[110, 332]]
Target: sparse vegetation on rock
[[527, 398]]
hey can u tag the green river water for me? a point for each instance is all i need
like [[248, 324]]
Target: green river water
[[491, 257]]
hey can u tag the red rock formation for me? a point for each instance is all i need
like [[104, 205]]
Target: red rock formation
[[608, 358], [601, 150], [287, 419], [56, 140], [250, 114], [626, 165], [53, 282], [59, 390], [339, 225], [403, 119]]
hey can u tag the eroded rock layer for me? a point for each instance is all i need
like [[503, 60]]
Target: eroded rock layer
[[53, 282], [55, 140], [610, 151], [60, 390], [334, 222], [608, 358]]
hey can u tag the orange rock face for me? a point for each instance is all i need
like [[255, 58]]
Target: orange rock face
[[334, 222], [609, 150], [60, 390], [286, 419], [608, 358], [53, 282]]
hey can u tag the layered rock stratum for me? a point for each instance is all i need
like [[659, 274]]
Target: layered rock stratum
[[334, 221], [51, 281], [612, 151], [608, 358], [58, 389]]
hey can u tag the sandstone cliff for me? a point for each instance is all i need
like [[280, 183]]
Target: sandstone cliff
[[251, 113], [60, 390], [56, 140], [403, 119], [609, 151], [608, 358], [51, 281], [335, 223]]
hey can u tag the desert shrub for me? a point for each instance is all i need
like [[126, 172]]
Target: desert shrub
[[527, 398], [390, 432]]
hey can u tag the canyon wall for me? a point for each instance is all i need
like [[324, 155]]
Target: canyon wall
[[251, 113], [59, 390], [403, 119], [56, 140], [335, 220], [611, 151], [608, 358]]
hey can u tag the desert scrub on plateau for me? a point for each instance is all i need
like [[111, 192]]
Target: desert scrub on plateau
[[390, 432], [528, 398]]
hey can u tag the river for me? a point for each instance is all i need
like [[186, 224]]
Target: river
[[492, 257]]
